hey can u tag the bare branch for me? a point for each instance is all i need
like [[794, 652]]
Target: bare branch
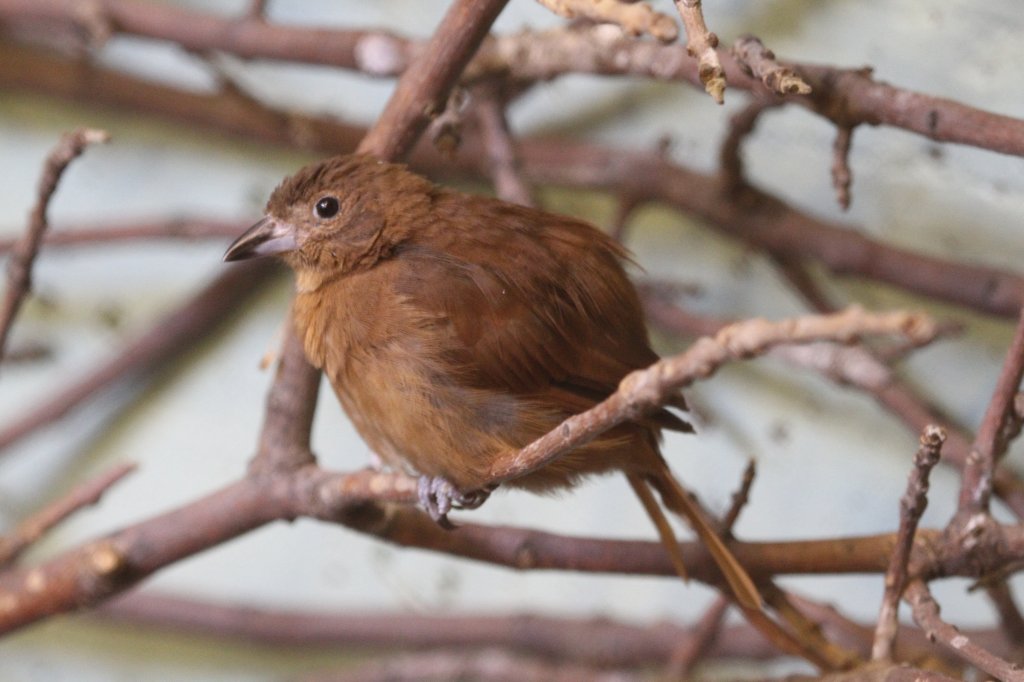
[[1010, 619], [423, 88], [257, 10], [912, 506], [815, 645], [635, 18], [760, 63], [173, 335], [645, 389], [739, 498], [501, 152], [987, 449], [692, 649], [841, 176], [701, 44], [33, 528], [926, 614], [730, 156], [854, 366], [780, 229], [19, 268], [184, 229], [844, 96]]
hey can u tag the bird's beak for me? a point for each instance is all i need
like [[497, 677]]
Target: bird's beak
[[266, 238]]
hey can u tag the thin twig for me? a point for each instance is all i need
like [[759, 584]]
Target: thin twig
[[926, 614], [800, 278], [645, 389], [912, 506], [257, 10], [854, 366], [760, 62], [177, 228], [730, 153], [1011, 621], [739, 498], [501, 152], [423, 89], [695, 647], [19, 268], [171, 336], [817, 647], [33, 528], [445, 130], [978, 474], [32, 351], [842, 178], [593, 641], [701, 44], [624, 208], [634, 18]]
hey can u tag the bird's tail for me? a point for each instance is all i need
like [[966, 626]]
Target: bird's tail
[[676, 499]]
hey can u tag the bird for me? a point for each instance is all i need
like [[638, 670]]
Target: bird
[[457, 328]]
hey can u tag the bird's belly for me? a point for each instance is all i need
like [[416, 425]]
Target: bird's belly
[[420, 420]]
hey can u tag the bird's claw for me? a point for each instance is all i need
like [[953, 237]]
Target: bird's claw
[[438, 496]]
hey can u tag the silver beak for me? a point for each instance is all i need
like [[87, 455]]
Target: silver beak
[[265, 238]]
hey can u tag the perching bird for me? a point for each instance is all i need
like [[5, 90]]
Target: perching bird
[[456, 329]]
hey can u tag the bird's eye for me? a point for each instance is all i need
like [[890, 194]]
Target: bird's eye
[[326, 207]]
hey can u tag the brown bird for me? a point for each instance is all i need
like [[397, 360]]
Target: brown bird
[[456, 329]]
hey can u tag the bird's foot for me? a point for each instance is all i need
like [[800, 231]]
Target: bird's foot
[[438, 496]]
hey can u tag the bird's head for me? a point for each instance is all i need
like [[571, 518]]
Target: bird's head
[[335, 217]]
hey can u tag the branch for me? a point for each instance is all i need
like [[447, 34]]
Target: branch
[[95, 571], [815, 646], [844, 96], [87, 575], [842, 178], [635, 18], [987, 449], [84, 576], [739, 498], [501, 152], [761, 220], [423, 89], [1011, 621], [701, 44], [169, 338], [181, 228], [730, 156], [760, 63], [19, 268], [926, 614], [645, 389], [698, 645], [912, 506], [770, 224], [854, 366], [593, 641], [32, 529]]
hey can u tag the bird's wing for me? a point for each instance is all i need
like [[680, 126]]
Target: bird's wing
[[549, 315]]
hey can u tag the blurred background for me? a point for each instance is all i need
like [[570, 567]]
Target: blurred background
[[830, 461]]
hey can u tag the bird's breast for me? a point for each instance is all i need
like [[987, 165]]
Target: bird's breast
[[393, 374]]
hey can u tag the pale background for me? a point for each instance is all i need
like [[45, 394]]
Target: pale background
[[838, 467]]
